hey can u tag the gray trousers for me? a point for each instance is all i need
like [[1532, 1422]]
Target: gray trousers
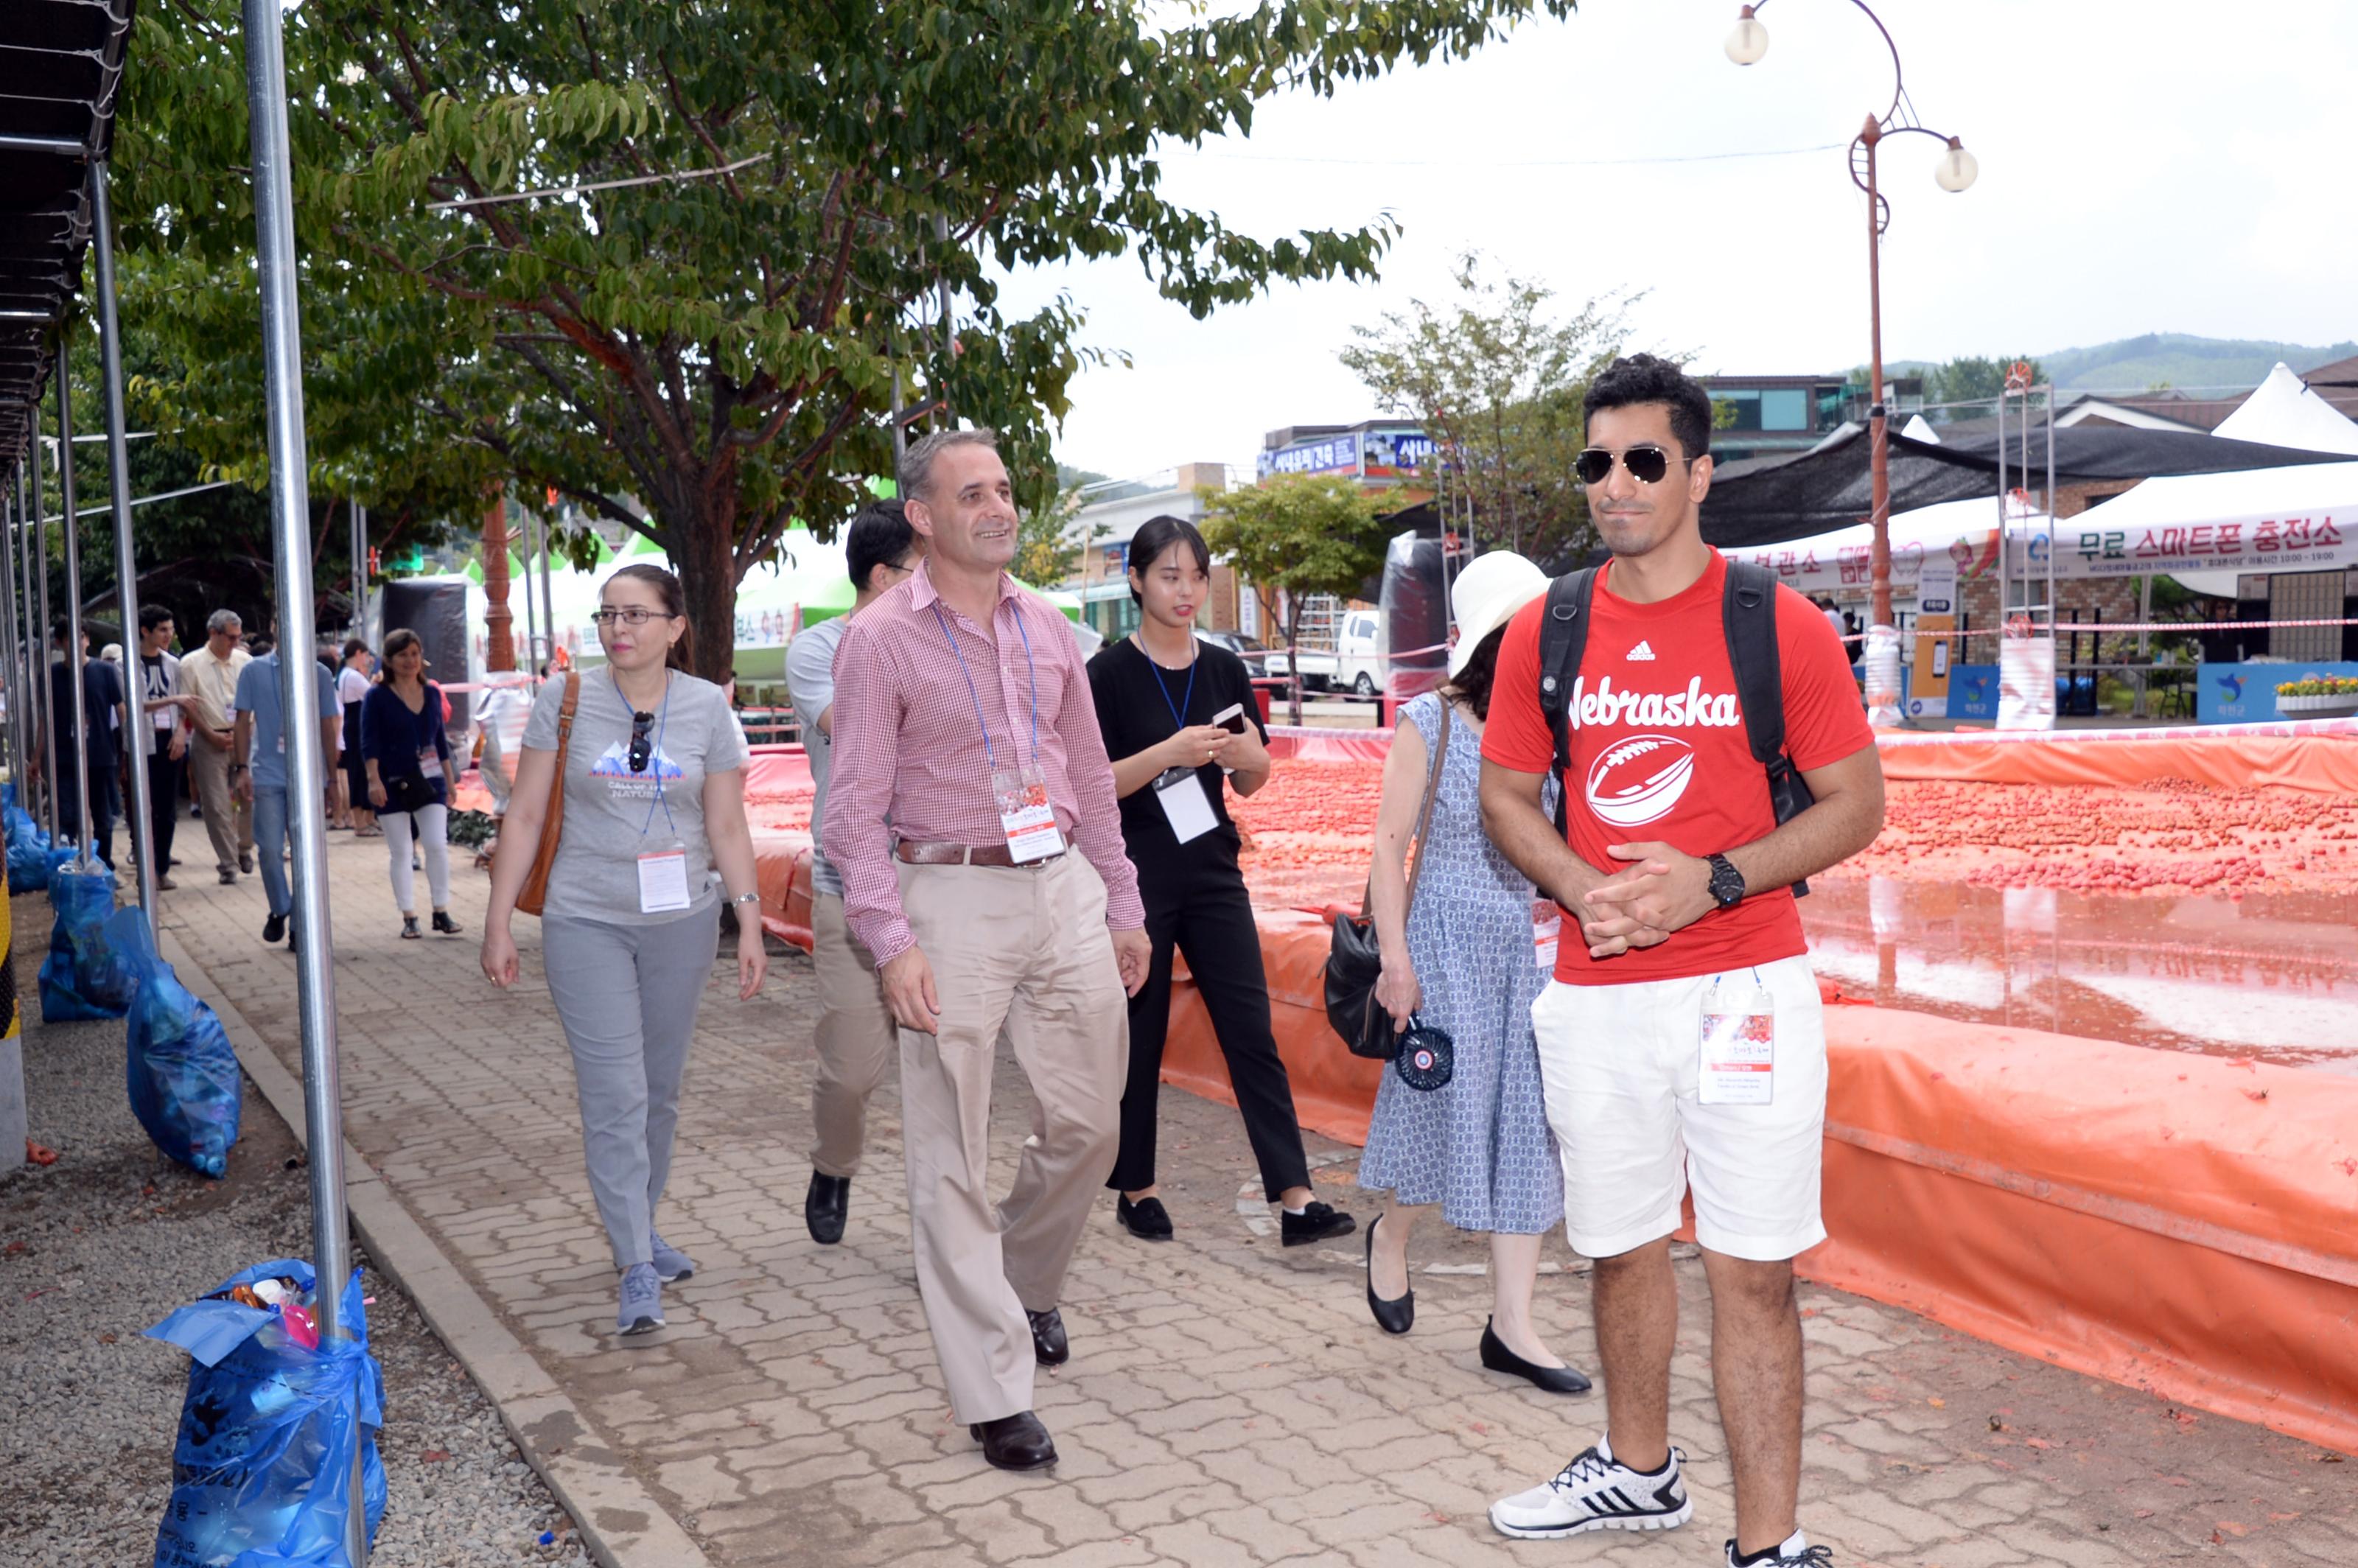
[[627, 996]]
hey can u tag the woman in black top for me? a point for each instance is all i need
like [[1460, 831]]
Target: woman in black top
[[407, 754], [1157, 693]]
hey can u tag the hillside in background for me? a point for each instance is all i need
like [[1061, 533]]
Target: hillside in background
[[2133, 364]]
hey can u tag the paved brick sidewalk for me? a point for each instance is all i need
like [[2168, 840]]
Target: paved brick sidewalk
[[1228, 1402]]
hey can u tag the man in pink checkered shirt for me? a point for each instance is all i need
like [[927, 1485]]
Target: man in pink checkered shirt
[[971, 814]]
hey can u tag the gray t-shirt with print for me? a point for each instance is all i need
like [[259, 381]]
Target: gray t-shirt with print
[[612, 816], [810, 682]]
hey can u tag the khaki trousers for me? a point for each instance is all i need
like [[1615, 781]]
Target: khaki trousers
[[228, 822], [1025, 951], [856, 1038]]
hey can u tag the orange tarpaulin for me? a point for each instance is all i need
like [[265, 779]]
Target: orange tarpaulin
[[2174, 1222]]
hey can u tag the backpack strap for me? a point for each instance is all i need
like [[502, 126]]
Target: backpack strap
[[1564, 638], [1748, 615]]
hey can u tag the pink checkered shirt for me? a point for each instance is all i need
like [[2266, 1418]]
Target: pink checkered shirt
[[906, 746]]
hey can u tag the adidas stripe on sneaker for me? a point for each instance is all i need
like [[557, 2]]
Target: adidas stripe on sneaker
[[1596, 1491]]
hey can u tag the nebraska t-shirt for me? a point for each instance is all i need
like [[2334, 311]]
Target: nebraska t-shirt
[[1659, 754]]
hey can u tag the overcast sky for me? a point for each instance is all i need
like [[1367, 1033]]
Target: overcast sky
[[2158, 165]]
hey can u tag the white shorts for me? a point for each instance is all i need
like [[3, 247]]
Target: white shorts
[[1621, 1064]]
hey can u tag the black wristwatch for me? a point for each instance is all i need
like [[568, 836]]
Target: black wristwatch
[[1726, 882]]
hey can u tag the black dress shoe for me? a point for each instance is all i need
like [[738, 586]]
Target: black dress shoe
[[1393, 1316], [825, 1207], [1048, 1341], [1316, 1222], [1015, 1442], [1554, 1380], [274, 928], [1145, 1219]]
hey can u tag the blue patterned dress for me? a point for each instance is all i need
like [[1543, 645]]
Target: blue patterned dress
[[1479, 1146]]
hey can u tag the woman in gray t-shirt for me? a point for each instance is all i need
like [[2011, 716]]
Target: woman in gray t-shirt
[[653, 832]]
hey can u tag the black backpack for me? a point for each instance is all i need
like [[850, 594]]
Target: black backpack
[[1748, 612]]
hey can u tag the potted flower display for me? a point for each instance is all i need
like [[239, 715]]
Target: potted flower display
[[2316, 697]]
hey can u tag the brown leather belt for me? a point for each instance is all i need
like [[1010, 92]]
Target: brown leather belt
[[935, 852]]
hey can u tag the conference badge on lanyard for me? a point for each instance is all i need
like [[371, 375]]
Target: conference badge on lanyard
[[1738, 1061], [1025, 812], [662, 880]]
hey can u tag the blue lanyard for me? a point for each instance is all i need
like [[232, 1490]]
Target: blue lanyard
[[989, 755], [1178, 713], [655, 749]]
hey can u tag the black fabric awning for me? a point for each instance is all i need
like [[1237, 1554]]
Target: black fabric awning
[[1770, 500], [60, 72]]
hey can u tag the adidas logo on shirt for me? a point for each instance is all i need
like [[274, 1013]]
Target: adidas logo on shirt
[[1642, 652]]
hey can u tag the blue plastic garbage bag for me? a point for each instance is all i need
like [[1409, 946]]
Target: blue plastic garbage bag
[[29, 861], [183, 1077], [261, 1471], [83, 977]]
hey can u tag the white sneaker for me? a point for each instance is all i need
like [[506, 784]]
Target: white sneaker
[[1596, 1491]]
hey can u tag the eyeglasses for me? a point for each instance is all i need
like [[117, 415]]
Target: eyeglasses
[[636, 615], [1647, 464], [642, 743]]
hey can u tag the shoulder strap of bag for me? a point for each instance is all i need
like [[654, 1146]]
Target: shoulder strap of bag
[[1748, 614], [1423, 821], [1564, 638]]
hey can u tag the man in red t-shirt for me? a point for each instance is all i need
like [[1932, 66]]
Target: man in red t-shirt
[[1681, 1043]]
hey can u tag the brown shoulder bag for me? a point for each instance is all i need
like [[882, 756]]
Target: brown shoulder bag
[[533, 895]]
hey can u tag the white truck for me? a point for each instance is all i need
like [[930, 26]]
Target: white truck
[[1357, 664]]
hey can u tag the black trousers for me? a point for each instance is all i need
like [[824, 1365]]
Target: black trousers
[[1208, 917], [164, 776], [107, 807]]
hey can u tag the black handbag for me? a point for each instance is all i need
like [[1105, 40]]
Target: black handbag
[[405, 792], [1353, 961]]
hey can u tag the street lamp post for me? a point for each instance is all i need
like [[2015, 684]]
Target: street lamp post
[[1747, 42]]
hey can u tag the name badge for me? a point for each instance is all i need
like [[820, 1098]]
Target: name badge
[[1029, 821], [1184, 805], [164, 718], [1738, 1061], [663, 881], [430, 763]]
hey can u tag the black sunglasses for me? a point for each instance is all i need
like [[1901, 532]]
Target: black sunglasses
[[1647, 464], [642, 744]]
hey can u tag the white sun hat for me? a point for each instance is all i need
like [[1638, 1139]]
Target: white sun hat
[[1485, 596]]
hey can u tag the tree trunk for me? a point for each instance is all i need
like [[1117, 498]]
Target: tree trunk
[[1293, 657], [499, 655], [703, 551]]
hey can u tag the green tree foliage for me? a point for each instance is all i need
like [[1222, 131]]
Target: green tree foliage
[[710, 346], [1304, 533], [1497, 382], [1971, 379]]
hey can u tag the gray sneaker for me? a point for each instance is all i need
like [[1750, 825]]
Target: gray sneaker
[[641, 1311], [671, 1263]]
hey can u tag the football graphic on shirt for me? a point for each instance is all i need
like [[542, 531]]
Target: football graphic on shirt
[[1639, 779]]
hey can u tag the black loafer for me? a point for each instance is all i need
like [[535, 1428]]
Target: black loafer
[[1048, 1341], [1316, 1222], [825, 1207], [1146, 1219], [1393, 1316], [1015, 1442], [1554, 1380], [274, 928]]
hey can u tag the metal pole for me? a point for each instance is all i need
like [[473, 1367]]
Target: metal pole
[[16, 660], [359, 571], [942, 297], [41, 643], [77, 681], [274, 218], [526, 534], [36, 668], [545, 541], [1878, 455], [139, 731]]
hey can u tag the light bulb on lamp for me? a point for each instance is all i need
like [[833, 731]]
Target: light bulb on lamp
[[1747, 40], [1957, 168]]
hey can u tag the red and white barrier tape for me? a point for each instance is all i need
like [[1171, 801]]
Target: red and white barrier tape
[[2083, 628]]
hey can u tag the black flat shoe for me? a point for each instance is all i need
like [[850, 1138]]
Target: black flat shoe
[[1146, 1219], [1049, 1344], [1393, 1316], [1316, 1222], [825, 1207], [274, 928], [1554, 1380], [1015, 1442]]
